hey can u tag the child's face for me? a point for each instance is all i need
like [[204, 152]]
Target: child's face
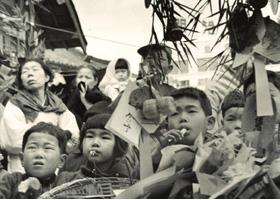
[[233, 120], [86, 75], [153, 59], [121, 74], [102, 142], [41, 156], [190, 116], [275, 94]]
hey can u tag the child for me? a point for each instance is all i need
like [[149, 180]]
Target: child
[[117, 75], [158, 57], [43, 149], [192, 118], [85, 96], [105, 153], [232, 110]]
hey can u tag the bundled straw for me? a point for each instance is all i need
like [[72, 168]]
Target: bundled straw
[[88, 188]]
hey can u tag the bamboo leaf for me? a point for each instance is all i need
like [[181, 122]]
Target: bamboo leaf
[[40, 5]]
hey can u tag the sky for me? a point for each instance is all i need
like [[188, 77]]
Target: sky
[[117, 28]]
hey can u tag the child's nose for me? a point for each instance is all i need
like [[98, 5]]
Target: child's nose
[[238, 124], [184, 117], [39, 154], [96, 142]]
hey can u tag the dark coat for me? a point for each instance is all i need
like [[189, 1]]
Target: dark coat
[[76, 106], [10, 182]]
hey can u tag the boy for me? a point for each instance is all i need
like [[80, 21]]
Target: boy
[[104, 153], [158, 58], [192, 117], [232, 110], [43, 149]]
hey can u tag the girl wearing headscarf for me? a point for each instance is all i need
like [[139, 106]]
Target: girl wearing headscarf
[[117, 75]]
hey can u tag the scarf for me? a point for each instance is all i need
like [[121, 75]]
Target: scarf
[[110, 76], [31, 107]]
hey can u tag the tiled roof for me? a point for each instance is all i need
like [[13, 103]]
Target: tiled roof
[[73, 58]]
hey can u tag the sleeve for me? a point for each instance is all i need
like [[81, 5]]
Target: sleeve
[[12, 128], [7, 186], [216, 90], [67, 121]]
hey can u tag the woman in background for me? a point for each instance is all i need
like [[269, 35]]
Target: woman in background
[[32, 104], [85, 93]]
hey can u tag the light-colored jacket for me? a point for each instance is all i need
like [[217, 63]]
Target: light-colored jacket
[[14, 124]]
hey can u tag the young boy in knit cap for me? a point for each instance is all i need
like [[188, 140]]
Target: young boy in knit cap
[[192, 119], [43, 147]]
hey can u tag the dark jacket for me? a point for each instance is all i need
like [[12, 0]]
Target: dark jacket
[[76, 106], [10, 182], [75, 162]]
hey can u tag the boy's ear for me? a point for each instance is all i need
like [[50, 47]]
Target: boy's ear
[[170, 67], [21, 157], [62, 160], [210, 122]]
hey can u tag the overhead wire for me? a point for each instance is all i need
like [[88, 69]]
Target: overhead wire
[[65, 31], [70, 32]]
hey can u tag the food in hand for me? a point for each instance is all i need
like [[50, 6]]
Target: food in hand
[[183, 131]]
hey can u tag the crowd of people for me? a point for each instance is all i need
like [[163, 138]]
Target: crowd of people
[[56, 142]]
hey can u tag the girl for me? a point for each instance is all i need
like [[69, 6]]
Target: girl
[[106, 154], [117, 75]]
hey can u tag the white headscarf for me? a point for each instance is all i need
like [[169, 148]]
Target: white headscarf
[[110, 75]]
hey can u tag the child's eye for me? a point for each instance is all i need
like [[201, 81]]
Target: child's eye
[[31, 147], [49, 148], [175, 114], [89, 136], [106, 138], [192, 111], [230, 119]]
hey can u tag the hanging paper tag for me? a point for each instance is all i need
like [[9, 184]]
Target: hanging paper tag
[[264, 104], [274, 6], [122, 123], [240, 59], [146, 164], [270, 45]]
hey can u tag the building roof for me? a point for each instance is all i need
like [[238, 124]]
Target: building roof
[[61, 25], [72, 59]]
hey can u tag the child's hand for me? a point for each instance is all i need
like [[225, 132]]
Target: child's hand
[[171, 137]]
